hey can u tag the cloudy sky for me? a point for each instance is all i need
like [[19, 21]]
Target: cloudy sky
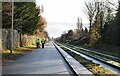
[[62, 15]]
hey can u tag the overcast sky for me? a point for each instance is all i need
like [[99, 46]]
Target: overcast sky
[[62, 15]]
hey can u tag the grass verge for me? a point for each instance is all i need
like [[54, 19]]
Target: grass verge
[[16, 53]]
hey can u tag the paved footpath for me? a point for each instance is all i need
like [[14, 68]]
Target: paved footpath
[[40, 61]]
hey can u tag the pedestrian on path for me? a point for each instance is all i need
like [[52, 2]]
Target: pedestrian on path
[[38, 43], [43, 42]]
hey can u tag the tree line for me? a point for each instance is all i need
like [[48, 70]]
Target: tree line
[[27, 18], [104, 25]]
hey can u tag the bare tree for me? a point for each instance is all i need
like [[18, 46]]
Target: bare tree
[[79, 24], [90, 10], [99, 11], [79, 28]]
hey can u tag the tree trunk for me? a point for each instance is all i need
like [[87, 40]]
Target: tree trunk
[[90, 26], [21, 45]]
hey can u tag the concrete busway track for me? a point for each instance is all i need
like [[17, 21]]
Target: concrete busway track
[[98, 61], [112, 56], [79, 69], [97, 58]]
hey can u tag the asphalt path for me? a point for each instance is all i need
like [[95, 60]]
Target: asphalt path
[[40, 61]]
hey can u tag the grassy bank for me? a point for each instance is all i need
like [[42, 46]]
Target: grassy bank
[[16, 53]]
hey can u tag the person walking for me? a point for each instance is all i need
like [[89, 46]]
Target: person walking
[[38, 43], [43, 42]]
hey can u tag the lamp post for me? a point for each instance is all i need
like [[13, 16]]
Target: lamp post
[[12, 28], [0, 27]]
